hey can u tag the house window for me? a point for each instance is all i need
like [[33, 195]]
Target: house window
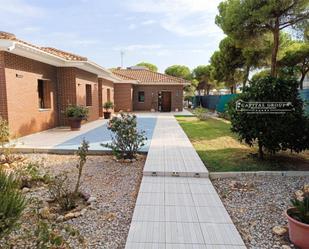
[[88, 95], [141, 96], [44, 94], [108, 94]]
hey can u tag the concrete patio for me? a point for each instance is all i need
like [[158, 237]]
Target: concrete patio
[[62, 140]]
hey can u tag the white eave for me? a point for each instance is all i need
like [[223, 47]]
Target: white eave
[[30, 52]]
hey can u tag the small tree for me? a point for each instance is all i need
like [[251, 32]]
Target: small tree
[[108, 106], [82, 155], [127, 140], [272, 132]]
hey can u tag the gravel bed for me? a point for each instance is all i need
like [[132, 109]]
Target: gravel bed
[[115, 186], [258, 205]]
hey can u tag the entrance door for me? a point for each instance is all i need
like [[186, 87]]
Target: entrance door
[[166, 101]]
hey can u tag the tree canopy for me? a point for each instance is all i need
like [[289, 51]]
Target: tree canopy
[[204, 75], [245, 20], [180, 71], [227, 62], [150, 66]]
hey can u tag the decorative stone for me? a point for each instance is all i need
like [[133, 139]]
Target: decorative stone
[[84, 210], [25, 190], [86, 195], [77, 214], [60, 218], [6, 165], [44, 213], [2, 158], [286, 247], [69, 216], [280, 230], [91, 199]]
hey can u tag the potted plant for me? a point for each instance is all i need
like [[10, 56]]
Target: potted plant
[[76, 114], [107, 106], [298, 218]]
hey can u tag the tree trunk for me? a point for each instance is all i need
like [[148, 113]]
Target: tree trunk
[[276, 34], [208, 89], [261, 153], [301, 81], [232, 89], [246, 76]]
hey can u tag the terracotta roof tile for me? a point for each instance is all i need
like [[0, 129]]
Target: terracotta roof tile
[[63, 54], [53, 51], [146, 76]]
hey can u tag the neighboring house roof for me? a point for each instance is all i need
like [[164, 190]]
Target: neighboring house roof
[[145, 76], [52, 56]]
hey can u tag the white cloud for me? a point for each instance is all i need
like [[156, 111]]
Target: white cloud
[[183, 17], [132, 26], [148, 22]]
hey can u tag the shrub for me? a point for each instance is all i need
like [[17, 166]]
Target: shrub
[[300, 203], [127, 140], [82, 155], [77, 111], [29, 174], [201, 113], [224, 115], [12, 203], [271, 132], [61, 193], [108, 105]]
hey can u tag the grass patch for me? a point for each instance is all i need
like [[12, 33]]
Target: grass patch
[[220, 150]]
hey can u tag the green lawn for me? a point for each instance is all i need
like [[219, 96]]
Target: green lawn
[[220, 150]]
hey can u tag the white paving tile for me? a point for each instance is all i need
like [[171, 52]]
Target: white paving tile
[[187, 233], [207, 200], [213, 215], [149, 213], [221, 234], [147, 232], [172, 199], [180, 214], [155, 199]]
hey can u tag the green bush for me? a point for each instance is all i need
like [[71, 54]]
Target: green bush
[[127, 140], [108, 105], [201, 113], [12, 203], [271, 132], [77, 111]]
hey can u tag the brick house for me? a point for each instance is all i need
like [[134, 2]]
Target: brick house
[[38, 83], [144, 90]]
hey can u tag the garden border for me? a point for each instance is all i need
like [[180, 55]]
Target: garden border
[[216, 175]]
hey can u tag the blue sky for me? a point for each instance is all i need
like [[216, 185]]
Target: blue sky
[[163, 32]]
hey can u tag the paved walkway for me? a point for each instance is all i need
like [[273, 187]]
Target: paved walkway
[[183, 212]]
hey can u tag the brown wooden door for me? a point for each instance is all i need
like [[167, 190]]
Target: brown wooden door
[[166, 101]]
